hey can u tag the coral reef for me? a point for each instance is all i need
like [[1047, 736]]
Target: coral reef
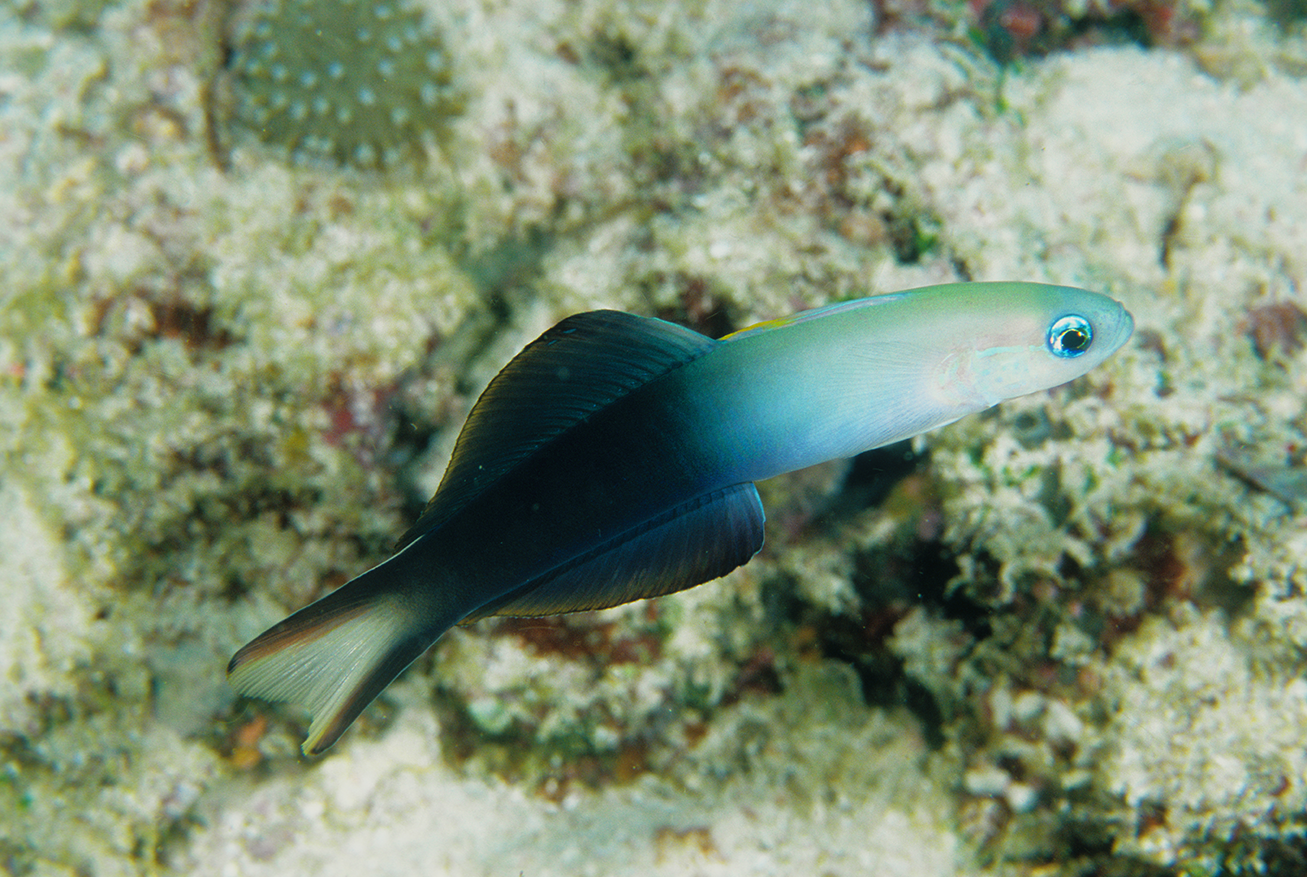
[[1065, 637]]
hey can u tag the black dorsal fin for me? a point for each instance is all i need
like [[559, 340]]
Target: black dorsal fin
[[701, 540], [582, 364]]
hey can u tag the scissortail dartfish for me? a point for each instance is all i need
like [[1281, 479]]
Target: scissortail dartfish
[[615, 457]]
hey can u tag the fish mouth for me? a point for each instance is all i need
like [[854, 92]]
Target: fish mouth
[[1122, 327]]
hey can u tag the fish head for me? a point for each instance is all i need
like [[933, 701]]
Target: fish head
[[1027, 337]]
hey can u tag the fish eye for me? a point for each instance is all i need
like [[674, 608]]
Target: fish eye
[[1070, 336]]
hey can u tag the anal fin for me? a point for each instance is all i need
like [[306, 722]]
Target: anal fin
[[694, 543]]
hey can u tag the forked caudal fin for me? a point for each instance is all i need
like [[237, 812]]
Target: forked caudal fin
[[334, 656]]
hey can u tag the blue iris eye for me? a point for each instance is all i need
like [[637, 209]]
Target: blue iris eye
[[1069, 336]]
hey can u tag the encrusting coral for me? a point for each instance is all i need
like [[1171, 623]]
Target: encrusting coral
[[355, 81]]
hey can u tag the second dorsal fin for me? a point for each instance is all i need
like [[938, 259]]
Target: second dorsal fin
[[578, 367]]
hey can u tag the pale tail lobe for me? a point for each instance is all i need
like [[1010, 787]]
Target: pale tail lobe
[[334, 656]]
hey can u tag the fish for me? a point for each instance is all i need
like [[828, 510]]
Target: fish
[[615, 459]]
